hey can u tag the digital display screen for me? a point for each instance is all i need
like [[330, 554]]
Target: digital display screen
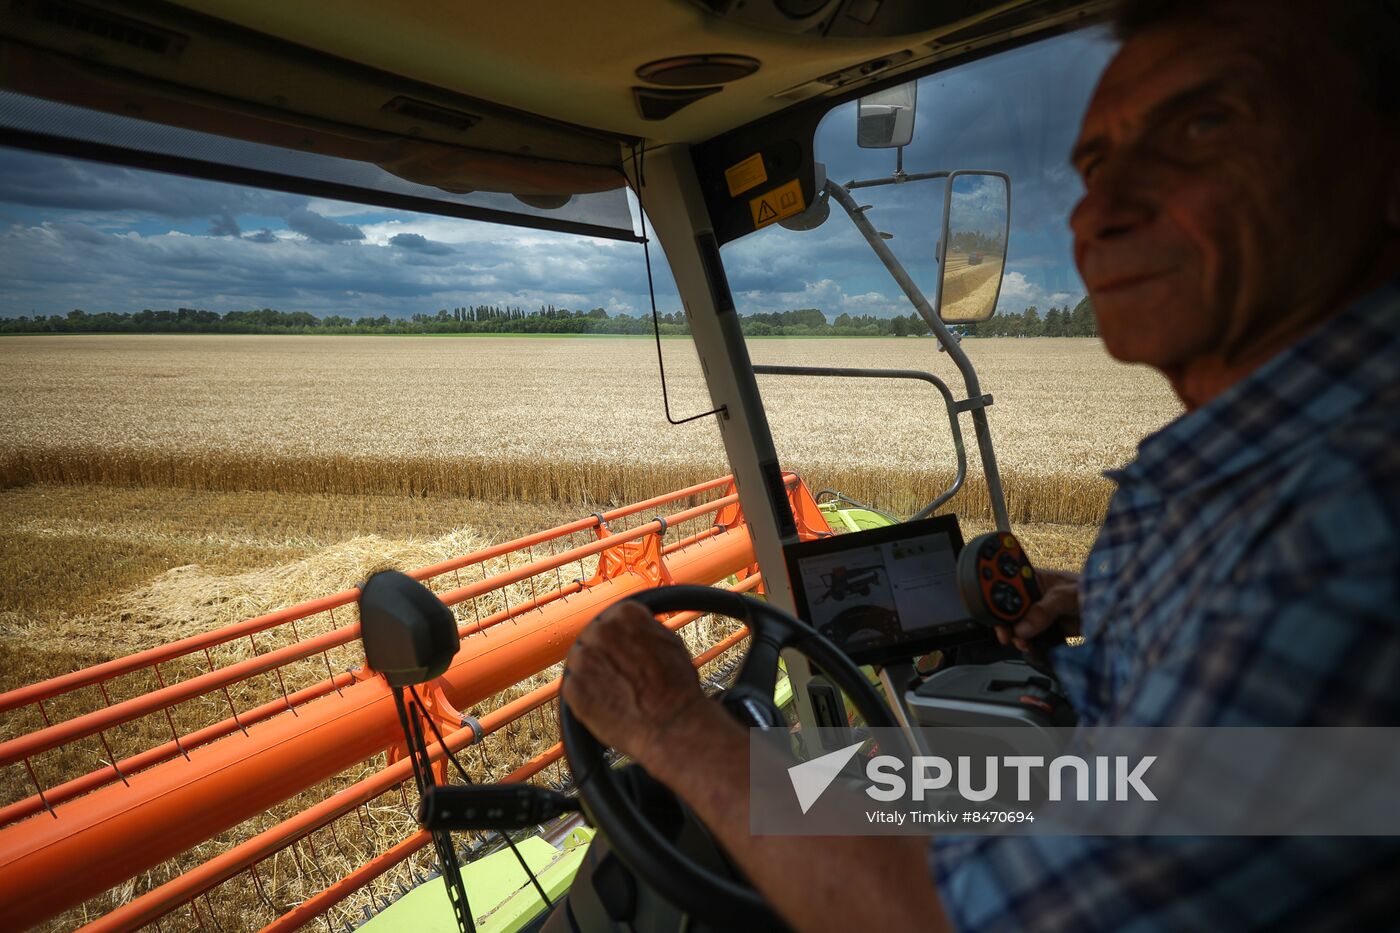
[[884, 593]]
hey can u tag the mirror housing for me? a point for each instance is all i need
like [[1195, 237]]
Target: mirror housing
[[409, 635], [885, 119], [972, 250], [818, 211]]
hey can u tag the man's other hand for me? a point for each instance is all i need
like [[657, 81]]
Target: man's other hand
[[1059, 604], [629, 679]]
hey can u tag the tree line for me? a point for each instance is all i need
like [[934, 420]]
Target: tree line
[[547, 319], [1057, 322]]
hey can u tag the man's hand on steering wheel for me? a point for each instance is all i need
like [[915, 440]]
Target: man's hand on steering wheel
[[631, 681]]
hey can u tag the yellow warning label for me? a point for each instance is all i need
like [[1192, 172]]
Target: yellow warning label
[[782, 201], [744, 175]]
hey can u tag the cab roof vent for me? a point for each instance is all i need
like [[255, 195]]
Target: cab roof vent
[[683, 70], [655, 103], [79, 17]]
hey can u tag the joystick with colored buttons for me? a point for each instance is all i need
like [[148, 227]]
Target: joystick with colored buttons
[[998, 585]]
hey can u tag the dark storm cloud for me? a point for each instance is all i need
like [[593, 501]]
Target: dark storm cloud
[[416, 242], [224, 225], [322, 229], [51, 268], [38, 180], [82, 233]]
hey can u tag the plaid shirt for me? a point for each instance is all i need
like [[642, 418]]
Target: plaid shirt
[[1247, 574]]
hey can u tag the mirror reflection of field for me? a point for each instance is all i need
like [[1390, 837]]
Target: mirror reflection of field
[[970, 288]]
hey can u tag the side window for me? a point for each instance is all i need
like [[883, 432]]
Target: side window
[[1063, 411]]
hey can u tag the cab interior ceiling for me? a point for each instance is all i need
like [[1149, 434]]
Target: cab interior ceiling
[[484, 97]]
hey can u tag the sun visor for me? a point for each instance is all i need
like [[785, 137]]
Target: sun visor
[[56, 106]]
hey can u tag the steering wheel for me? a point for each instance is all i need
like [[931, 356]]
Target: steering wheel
[[688, 885]]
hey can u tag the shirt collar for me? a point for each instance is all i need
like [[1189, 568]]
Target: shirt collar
[[1342, 365]]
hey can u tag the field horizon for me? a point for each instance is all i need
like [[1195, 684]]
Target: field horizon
[[533, 420]]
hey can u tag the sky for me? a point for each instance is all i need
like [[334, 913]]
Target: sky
[[77, 234]]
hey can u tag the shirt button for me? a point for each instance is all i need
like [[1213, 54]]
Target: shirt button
[[1103, 566]]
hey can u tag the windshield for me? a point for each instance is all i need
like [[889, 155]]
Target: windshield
[[1063, 410], [220, 402]]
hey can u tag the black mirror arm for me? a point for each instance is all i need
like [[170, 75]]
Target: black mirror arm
[[842, 196]]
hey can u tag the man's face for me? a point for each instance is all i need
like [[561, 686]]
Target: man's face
[[1225, 188]]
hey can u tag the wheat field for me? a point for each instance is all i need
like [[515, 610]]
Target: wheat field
[[552, 419], [122, 458], [146, 479]]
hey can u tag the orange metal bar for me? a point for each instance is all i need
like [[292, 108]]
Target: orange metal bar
[[583, 524], [46, 689], [505, 615], [42, 740], [313, 907], [105, 837], [699, 536], [88, 782], [725, 643], [116, 831], [70, 730], [318, 904], [139, 762], [65, 683], [472, 590], [190, 885]]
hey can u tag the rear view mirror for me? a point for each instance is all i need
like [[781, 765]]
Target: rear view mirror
[[976, 222], [885, 119], [409, 635]]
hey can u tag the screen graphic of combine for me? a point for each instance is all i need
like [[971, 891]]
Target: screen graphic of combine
[[869, 597]]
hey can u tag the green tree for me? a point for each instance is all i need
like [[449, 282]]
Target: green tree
[[1082, 320], [1030, 323]]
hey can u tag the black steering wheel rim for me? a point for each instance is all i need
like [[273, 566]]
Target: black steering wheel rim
[[688, 885]]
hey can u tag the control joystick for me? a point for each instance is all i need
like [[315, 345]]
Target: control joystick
[[998, 585]]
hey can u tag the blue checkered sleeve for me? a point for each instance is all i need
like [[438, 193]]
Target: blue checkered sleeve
[[1304, 629]]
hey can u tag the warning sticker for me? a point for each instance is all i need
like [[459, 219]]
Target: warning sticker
[[741, 176], [782, 201]]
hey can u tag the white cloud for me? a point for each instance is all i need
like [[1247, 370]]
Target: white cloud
[[1019, 293], [1016, 287]]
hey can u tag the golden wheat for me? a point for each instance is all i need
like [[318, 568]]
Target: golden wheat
[[190, 598], [552, 419]]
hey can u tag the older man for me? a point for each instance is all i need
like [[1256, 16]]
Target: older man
[[1240, 232]]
